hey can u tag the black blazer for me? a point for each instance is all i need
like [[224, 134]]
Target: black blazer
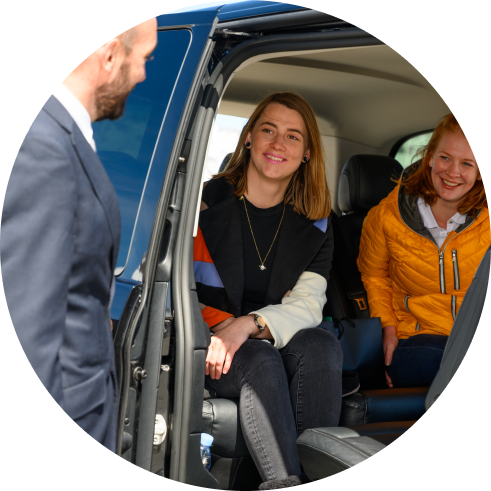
[[303, 245]]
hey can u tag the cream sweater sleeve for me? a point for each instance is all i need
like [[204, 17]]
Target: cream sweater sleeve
[[300, 310]]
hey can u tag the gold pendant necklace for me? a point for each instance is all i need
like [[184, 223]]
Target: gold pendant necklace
[[262, 266]]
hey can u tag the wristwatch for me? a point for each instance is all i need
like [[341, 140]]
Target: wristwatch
[[260, 324]]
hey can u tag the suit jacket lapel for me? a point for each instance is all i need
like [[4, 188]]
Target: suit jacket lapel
[[298, 243], [94, 170], [222, 232], [101, 184]]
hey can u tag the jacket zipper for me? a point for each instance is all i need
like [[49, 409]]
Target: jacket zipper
[[456, 282], [406, 304], [455, 266], [441, 255], [442, 271], [456, 277]]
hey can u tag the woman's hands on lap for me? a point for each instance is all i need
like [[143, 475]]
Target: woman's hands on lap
[[222, 324], [229, 336], [390, 342]]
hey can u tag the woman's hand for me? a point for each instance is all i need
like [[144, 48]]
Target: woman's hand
[[222, 324], [225, 343], [390, 342]]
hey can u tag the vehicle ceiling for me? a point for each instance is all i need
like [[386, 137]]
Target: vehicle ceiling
[[369, 95]]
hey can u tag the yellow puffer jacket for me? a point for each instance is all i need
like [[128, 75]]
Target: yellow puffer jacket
[[410, 283]]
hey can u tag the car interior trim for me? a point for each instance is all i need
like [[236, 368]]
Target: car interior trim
[[297, 18], [183, 312]]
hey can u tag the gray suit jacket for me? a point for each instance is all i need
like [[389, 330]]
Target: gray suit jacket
[[59, 243]]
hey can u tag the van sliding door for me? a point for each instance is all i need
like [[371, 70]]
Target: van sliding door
[[145, 346]]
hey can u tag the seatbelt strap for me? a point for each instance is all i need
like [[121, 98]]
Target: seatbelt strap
[[351, 277]]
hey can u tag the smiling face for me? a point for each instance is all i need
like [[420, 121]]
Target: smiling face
[[454, 169], [278, 143]]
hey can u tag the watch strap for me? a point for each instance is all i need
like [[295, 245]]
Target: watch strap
[[260, 327]]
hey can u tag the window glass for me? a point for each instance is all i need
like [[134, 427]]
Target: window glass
[[223, 140], [125, 146], [408, 150]]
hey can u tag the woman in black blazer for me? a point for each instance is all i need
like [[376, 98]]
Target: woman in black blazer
[[262, 257]]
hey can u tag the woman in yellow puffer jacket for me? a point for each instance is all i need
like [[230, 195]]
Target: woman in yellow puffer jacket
[[419, 250]]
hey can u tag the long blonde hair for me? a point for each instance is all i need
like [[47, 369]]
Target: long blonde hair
[[307, 191]]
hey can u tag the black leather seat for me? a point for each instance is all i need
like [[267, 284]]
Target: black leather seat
[[365, 180], [383, 405], [224, 163], [327, 451], [232, 465]]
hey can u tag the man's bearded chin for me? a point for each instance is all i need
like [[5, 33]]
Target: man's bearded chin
[[110, 98]]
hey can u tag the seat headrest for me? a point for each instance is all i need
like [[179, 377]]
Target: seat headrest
[[224, 163], [365, 181]]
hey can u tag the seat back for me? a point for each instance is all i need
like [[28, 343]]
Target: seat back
[[224, 163], [365, 180]]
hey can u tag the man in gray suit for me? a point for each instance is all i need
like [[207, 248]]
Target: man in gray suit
[[60, 235]]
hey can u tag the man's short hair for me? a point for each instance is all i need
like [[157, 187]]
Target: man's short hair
[[128, 38]]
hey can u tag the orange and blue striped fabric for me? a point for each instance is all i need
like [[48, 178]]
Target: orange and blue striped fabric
[[206, 273]]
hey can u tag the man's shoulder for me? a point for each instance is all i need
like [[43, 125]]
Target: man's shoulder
[[52, 123], [47, 149]]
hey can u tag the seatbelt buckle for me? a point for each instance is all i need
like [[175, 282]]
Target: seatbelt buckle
[[362, 305]]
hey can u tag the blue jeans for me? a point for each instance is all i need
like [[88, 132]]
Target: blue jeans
[[416, 360], [283, 393]]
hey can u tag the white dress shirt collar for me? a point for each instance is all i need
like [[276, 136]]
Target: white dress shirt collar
[[77, 111], [429, 221]]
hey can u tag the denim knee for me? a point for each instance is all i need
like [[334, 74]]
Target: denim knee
[[256, 356], [319, 346]]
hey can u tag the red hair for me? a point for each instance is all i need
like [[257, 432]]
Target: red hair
[[419, 183]]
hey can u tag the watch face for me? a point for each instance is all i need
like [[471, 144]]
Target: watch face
[[260, 321]]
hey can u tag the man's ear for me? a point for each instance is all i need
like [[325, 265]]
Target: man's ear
[[112, 54]]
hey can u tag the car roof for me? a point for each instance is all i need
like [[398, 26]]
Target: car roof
[[240, 10], [369, 95]]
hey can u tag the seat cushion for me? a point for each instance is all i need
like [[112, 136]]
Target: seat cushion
[[221, 420], [384, 433], [360, 411], [221, 416], [383, 405], [327, 451]]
